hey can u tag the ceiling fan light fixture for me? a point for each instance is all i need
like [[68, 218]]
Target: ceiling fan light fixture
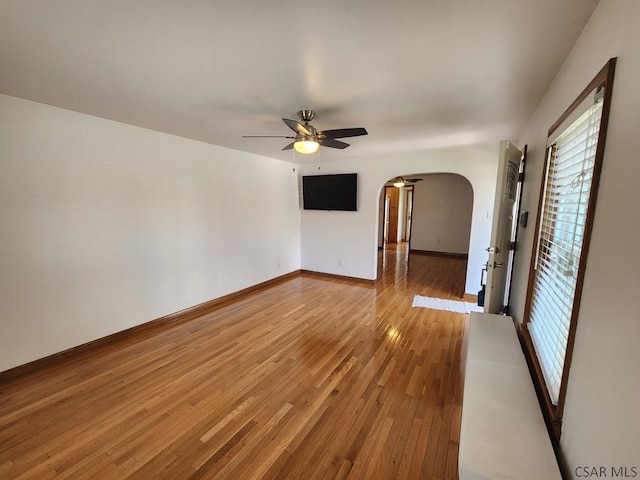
[[306, 146], [308, 138], [399, 182]]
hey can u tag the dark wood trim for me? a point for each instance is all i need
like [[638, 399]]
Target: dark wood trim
[[333, 276], [394, 190], [606, 79], [598, 80], [412, 189], [534, 250], [432, 253], [152, 325], [553, 414], [549, 409], [527, 348]]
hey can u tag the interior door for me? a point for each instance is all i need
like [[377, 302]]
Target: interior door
[[503, 218], [394, 197]]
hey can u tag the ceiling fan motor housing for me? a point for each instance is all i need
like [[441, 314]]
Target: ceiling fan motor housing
[[312, 138], [306, 115]]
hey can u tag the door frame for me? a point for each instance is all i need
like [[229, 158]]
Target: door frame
[[385, 213], [500, 253]]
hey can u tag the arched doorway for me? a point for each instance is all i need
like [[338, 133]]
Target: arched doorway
[[430, 214]]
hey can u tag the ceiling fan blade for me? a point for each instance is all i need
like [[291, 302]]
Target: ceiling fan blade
[[344, 132], [330, 142], [414, 180], [289, 147], [296, 127], [265, 136]]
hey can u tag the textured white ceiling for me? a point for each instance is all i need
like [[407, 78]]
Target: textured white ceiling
[[416, 73]]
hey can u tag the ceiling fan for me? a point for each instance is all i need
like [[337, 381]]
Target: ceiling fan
[[400, 182], [308, 139]]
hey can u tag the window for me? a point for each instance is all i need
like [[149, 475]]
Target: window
[[565, 217]]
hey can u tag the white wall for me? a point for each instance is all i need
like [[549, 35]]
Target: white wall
[[601, 426], [106, 226], [328, 237], [442, 209], [402, 217]]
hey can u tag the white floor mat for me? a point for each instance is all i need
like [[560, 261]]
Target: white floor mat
[[442, 304]]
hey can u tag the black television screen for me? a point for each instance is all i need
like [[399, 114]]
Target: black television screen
[[330, 192]]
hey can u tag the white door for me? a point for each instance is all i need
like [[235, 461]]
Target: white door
[[503, 213]]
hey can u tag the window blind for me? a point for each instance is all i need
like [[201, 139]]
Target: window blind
[[567, 188]]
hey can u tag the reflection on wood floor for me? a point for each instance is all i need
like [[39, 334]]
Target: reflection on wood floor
[[437, 275], [314, 378]]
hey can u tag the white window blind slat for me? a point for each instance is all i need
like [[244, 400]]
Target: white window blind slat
[[560, 239], [556, 300], [563, 282]]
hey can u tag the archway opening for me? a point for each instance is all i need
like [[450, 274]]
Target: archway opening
[[429, 215]]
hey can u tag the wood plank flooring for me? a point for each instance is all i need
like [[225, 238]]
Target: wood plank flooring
[[315, 378]]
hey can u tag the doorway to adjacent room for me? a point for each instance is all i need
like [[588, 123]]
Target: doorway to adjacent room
[[424, 214]]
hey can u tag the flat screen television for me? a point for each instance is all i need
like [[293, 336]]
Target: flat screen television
[[330, 192]]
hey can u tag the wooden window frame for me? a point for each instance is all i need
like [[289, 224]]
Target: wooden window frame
[[554, 413]]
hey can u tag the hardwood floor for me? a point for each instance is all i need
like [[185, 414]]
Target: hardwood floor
[[315, 378]]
